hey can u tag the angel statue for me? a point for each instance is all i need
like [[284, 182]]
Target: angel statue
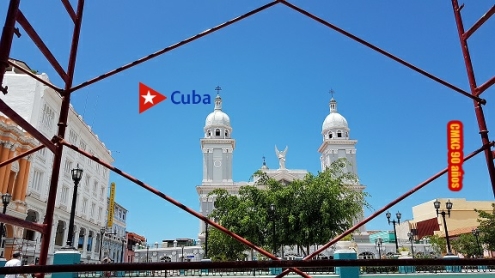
[[281, 156]]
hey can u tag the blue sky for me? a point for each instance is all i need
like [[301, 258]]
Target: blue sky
[[275, 69]]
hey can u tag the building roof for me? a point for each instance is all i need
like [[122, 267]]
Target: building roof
[[426, 227], [460, 231]]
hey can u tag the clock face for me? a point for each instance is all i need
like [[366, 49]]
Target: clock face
[[217, 163]]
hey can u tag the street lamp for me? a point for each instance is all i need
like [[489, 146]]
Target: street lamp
[[411, 239], [6, 198], [272, 216], [379, 242], [476, 234], [448, 205], [76, 177], [122, 252], [102, 234], [398, 215]]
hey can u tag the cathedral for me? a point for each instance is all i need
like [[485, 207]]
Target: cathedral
[[218, 148]]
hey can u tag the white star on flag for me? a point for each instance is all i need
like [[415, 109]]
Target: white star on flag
[[148, 98]]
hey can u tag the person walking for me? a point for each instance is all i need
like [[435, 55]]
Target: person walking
[[15, 261]]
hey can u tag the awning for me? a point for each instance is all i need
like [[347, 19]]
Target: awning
[[427, 227]]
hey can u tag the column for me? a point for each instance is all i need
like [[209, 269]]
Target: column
[[6, 177], [4, 153], [18, 193], [27, 167]]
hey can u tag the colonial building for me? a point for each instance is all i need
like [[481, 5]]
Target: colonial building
[[40, 106], [14, 181]]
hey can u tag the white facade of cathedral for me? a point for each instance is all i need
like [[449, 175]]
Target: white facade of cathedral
[[218, 148]]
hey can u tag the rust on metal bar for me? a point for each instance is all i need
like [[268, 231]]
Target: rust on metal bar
[[169, 48], [62, 125], [166, 197], [8, 219], [391, 204], [387, 54], [478, 23], [6, 40], [9, 112], [40, 44], [70, 10], [480, 117], [485, 86], [55, 88], [26, 153]]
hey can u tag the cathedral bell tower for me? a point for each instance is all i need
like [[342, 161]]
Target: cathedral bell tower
[[217, 146]]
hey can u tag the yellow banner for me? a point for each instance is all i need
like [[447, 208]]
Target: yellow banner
[[111, 205]]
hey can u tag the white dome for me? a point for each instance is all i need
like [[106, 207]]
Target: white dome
[[334, 120], [217, 118]]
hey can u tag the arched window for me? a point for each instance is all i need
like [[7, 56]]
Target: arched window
[[339, 133], [209, 133], [217, 132], [330, 135], [226, 133]]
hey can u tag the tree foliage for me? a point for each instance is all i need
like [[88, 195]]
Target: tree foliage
[[308, 211], [466, 245], [439, 244], [487, 228]]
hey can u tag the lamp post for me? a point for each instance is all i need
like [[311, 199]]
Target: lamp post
[[6, 198], [476, 234], [448, 205], [398, 215], [76, 177], [379, 242], [122, 251], [272, 216], [411, 239], [102, 234]]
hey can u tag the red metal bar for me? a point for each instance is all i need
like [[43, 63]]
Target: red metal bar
[[5, 218], [4, 108], [241, 265], [26, 153], [174, 46], [40, 44], [7, 38], [480, 117], [387, 54], [62, 125], [391, 204], [57, 89], [478, 24], [485, 86], [70, 10]]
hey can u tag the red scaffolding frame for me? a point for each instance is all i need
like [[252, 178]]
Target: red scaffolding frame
[[57, 143]]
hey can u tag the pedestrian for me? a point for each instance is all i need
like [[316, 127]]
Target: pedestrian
[[15, 261]]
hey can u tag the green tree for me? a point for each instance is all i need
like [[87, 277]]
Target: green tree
[[466, 245], [308, 211], [487, 228], [439, 244]]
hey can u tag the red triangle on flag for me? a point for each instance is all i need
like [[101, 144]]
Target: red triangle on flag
[[148, 97]]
